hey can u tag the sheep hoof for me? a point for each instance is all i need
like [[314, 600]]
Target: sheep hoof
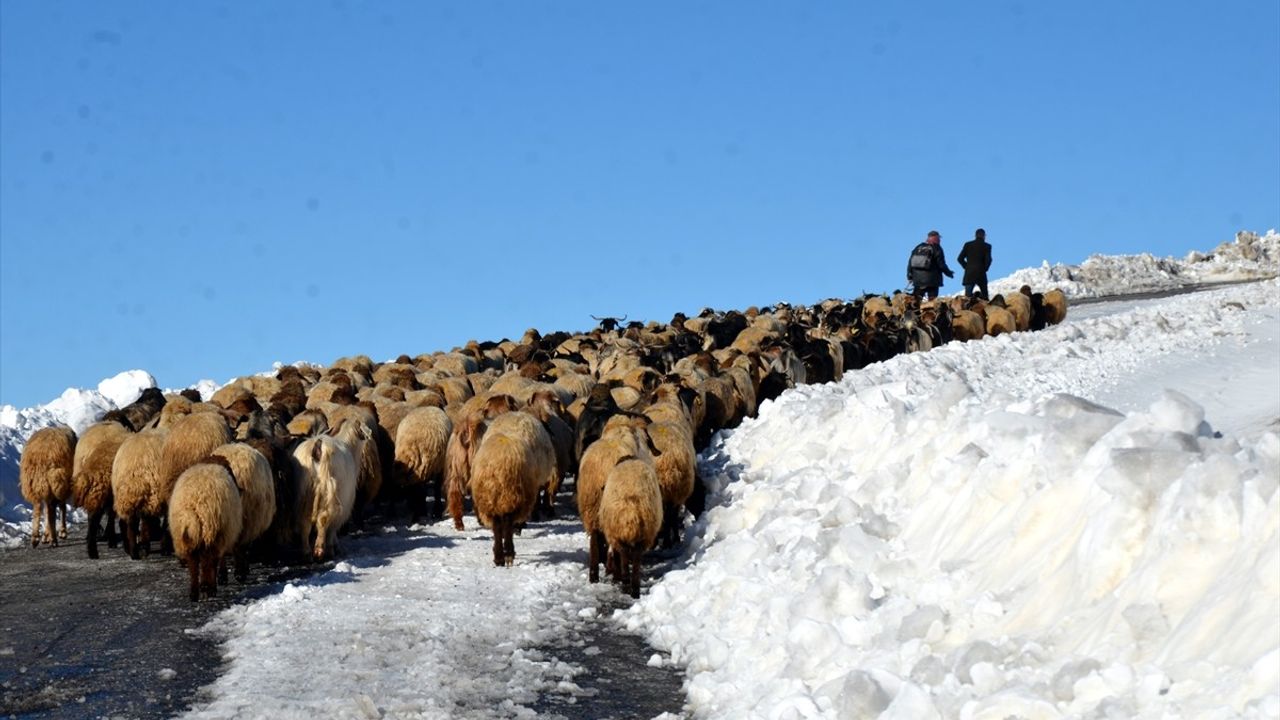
[[457, 525]]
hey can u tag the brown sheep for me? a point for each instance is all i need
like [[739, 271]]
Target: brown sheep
[[91, 478], [137, 491], [999, 320], [674, 464], [44, 478], [228, 394], [463, 442], [253, 476], [622, 436], [421, 441], [205, 517], [545, 406], [967, 325], [138, 413], [1019, 306], [630, 516], [190, 440], [1055, 306], [514, 460], [308, 423]]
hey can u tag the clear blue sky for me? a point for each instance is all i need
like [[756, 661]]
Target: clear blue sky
[[201, 189]]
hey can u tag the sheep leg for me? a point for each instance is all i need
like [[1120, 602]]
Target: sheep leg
[[131, 537], [193, 577], [242, 564], [112, 538], [497, 541], [208, 574], [593, 559], [51, 532], [143, 548], [92, 540], [437, 505], [634, 573], [223, 573], [63, 505], [162, 530], [455, 502], [36, 516], [417, 503], [508, 542]]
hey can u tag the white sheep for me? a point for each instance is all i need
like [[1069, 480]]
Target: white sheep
[[327, 477]]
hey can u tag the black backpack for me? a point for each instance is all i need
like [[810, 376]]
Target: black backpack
[[922, 257]]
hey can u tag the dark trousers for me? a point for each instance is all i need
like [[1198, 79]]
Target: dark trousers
[[982, 289], [920, 292]]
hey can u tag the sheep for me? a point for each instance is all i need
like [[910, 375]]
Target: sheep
[[327, 474], [1055, 306], [630, 516], [463, 442], [138, 413], [228, 394], [91, 478], [999, 320], [190, 440], [674, 464], [621, 437], [1019, 305], [545, 406], [455, 389], [308, 423], [874, 309], [472, 420], [253, 476], [967, 325], [206, 518], [578, 384], [358, 435], [598, 407], [514, 460], [455, 363], [420, 444], [137, 492], [44, 478]]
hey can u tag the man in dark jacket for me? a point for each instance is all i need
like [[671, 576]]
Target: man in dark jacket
[[975, 258], [927, 265]]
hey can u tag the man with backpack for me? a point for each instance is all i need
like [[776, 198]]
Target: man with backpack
[[975, 258], [927, 265]]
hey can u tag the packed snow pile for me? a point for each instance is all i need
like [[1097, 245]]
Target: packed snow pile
[[1249, 256], [951, 536]]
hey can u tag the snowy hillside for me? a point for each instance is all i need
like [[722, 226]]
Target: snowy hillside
[[1037, 525]]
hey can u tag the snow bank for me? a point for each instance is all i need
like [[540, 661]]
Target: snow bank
[[948, 535], [1250, 256]]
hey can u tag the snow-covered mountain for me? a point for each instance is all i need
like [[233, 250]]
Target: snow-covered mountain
[[1077, 522]]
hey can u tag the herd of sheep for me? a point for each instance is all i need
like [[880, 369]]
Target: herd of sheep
[[280, 465]]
